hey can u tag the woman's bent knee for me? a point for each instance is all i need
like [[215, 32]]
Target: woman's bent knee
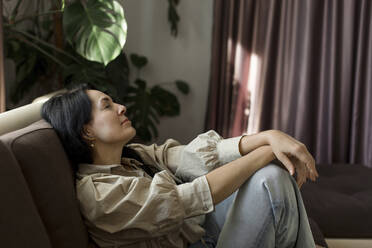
[[272, 174], [276, 181]]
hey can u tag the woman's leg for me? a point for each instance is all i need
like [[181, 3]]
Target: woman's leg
[[267, 212], [213, 224]]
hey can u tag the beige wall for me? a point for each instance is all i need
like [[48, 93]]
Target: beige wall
[[186, 57]]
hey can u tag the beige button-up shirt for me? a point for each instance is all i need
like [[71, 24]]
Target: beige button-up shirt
[[123, 206]]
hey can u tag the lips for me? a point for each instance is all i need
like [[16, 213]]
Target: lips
[[124, 121]]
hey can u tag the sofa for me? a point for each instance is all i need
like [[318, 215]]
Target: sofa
[[39, 206], [340, 203]]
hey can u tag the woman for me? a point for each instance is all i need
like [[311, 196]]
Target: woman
[[212, 192]]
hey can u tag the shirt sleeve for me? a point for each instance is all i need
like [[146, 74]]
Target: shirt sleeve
[[140, 207], [203, 154]]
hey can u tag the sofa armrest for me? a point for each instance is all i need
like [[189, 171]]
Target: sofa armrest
[[23, 116]]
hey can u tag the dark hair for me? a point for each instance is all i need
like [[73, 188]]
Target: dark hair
[[68, 113]]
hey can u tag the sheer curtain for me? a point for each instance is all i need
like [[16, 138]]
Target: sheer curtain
[[307, 68]]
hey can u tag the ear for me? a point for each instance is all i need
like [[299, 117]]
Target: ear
[[87, 133]]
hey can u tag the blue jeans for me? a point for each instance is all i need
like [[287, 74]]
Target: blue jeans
[[266, 211]]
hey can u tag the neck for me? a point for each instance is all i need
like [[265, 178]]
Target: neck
[[104, 154]]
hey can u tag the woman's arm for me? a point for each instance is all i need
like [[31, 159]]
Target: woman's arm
[[251, 142], [286, 149], [223, 181]]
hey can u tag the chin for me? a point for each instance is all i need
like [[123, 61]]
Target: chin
[[131, 133], [134, 132]]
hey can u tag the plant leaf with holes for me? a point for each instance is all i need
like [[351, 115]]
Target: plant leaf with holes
[[97, 29], [139, 103], [118, 73], [165, 102], [145, 105]]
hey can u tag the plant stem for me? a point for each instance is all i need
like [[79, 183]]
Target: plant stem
[[57, 61], [47, 44], [24, 17], [15, 10], [58, 35]]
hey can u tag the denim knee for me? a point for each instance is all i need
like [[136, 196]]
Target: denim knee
[[272, 171], [277, 181]]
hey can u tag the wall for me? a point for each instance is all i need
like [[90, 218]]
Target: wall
[[186, 57]]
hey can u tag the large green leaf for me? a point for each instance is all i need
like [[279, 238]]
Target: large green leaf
[[165, 102], [97, 29], [145, 106], [92, 73]]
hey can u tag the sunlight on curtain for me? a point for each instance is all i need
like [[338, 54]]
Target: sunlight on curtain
[[253, 79]]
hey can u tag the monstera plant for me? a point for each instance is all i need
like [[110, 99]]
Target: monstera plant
[[94, 35], [90, 50], [96, 29], [146, 104]]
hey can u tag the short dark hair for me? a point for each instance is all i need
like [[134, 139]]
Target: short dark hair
[[68, 113]]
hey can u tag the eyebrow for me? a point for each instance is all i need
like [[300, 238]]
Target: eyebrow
[[104, 99]]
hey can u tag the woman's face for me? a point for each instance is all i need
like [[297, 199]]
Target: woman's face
[[109, 125]]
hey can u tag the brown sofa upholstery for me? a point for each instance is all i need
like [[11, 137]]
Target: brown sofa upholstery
[[38, 206], [340, 201]]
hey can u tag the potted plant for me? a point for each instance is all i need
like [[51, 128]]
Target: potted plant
[[90, 50]]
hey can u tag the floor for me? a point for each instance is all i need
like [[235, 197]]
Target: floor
[[349, 243]]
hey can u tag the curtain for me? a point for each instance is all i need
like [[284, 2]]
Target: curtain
[[312, 75], [228, 99]]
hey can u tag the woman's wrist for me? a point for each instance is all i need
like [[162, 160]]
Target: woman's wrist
[[268, 135], [251, 142]]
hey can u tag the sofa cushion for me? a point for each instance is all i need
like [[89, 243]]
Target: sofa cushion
[[20, 222], [340, 201], [317, 234], [49, 176]]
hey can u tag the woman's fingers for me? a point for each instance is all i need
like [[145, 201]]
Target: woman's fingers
[[305, 157], [286, 162], [292, 152], [301, 170], [303, 174]]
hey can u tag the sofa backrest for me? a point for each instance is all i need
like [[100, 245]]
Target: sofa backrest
[[45, 168], [20, 222]]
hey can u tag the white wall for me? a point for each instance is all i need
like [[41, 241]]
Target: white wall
[[186, 57]]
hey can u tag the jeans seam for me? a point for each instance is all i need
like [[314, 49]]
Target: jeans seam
[[260, 234]]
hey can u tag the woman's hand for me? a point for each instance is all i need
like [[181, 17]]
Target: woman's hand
[[293, 155]]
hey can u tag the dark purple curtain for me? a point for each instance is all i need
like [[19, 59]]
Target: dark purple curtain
[[228, 98], [313, 67]]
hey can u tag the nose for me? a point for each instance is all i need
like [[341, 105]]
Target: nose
[[122, 109]]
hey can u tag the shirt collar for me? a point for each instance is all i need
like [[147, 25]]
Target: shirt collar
[[87, 169]]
